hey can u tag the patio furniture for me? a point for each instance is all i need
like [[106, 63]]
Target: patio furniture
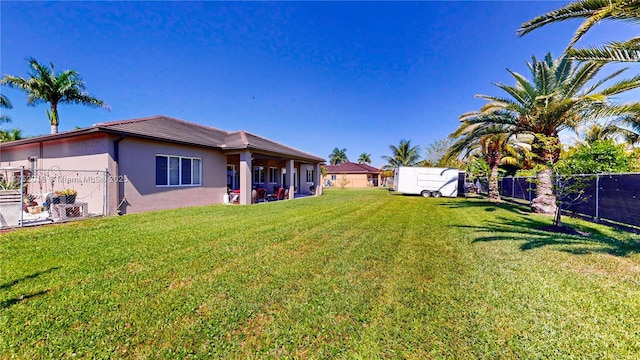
[[275, 195], [66, 211], [261, 195]]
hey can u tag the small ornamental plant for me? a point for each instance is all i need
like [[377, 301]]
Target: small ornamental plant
[[67, 192]]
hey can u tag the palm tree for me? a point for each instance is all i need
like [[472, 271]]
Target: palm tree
[[338, 156], [593, 11], [402, 155], [364, 158], [10, 135], [494, 144], [44, 85], [596, 132], [5, 104], [626, 126], [556, 98]]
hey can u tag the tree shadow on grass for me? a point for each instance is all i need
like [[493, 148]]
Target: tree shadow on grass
[[487, 206], [28, 277], [10, 302], [536, 233]]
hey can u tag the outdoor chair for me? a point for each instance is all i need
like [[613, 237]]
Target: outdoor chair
[[261, 195], [278, 194]]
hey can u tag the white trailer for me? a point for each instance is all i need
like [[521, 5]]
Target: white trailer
[[426, 181]]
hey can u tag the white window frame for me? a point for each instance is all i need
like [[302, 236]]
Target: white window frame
[[273, 175], [33, 164], [180, 170], [258, 178], [310, 176]]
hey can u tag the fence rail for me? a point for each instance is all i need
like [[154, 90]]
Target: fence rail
[[604, 197], [32, 197]]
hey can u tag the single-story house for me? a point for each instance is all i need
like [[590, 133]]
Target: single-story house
[[352, 175], [161, 162]]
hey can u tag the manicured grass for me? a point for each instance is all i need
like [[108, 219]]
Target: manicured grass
[[351, 274]]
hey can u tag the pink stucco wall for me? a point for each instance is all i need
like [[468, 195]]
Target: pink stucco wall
[[133, 177], [63, 162], [137, 167]]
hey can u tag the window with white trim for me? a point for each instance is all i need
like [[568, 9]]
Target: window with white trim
[[309, 176], [273, 175], [178, 171], [33, 164], [258, 175]]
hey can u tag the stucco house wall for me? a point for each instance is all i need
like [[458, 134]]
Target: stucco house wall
[[128, 150], [305, 186], [137, 169], [58, 157], [354, 180], [356, 175]]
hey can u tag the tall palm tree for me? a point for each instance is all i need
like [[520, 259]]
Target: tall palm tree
[[402, 155], [338, 156], [593, 11], [45, 85], [364, 158], [494, 144], [4, 104], [559, 96]]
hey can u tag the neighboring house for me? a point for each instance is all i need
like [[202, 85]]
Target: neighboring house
[[161, 162], [351, 175]]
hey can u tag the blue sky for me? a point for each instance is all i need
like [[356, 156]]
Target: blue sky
[[312, 75]]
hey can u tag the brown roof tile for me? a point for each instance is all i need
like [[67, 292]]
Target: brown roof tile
[[166, 128], [351, 168]]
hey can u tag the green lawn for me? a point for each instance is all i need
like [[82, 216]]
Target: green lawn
[[350, 274]]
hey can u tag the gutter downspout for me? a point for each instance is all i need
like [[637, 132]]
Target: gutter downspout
[[116, 159]]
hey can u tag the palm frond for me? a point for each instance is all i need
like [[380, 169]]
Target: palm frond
[[582, 75], [612, 52], [580, 9], [5, 103]]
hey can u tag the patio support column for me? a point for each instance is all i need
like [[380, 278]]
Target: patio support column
[[318, 180], [290, 178], [245, 178]]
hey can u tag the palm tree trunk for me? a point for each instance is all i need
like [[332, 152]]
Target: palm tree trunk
[[494, 193], [545, 200], [53, 118]]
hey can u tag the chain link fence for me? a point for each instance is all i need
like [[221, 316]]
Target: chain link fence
[[601, 197], [32, 197]]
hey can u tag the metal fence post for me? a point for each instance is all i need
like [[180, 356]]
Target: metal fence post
[[513, 188], [105, 197], [21, 196], [597, 198]]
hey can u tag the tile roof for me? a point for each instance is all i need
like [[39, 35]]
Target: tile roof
[[164, 128], [351, 168], [244, 140], [167, 128]]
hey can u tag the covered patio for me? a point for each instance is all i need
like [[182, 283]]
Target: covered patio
[[268, 172]]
